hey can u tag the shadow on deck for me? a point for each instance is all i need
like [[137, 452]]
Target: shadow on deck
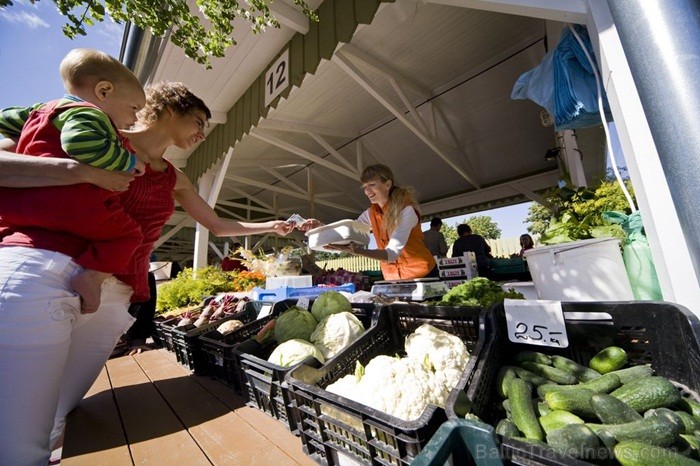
[[148, 409]]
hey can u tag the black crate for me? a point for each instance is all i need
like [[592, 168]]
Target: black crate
[[158, 331], [188, 348], [219, 349], [164, 330], [265, 386], [335, 430], [664, 335]]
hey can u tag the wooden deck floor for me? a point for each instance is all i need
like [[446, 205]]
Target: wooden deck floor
[[148, 409]]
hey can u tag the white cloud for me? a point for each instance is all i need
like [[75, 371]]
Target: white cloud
[[30, 20]]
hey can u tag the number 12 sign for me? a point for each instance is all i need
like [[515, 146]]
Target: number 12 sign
[[536, 322], [277, 78]]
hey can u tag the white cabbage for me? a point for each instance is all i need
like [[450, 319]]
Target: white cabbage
[[336, 332], [294, 351]]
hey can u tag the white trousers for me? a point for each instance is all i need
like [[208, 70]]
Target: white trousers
[[50, 354]]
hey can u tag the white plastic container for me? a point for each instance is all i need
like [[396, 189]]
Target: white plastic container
[[586, 270], [341, 232], [526, 288], [294, 281]]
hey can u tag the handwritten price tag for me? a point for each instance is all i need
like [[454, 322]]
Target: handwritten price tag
[[536, 322], [303, 303]]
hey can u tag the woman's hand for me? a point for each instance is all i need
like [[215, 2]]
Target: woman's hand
[[309, 224], [282, 227], [105, 179]]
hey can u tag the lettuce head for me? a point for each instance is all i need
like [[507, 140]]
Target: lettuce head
[[330, 302], [294, 351], [336, 332], [294, 323]]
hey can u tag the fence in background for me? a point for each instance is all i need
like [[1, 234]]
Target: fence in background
[[502, 247]]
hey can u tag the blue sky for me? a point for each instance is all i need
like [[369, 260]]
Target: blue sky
[[32, 45]]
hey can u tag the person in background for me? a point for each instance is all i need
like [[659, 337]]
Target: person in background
[[102, 98], [526, 243], [394, 217], [469, 242], [434, 240], [233, 262]]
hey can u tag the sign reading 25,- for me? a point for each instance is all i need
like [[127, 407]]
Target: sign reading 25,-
[[536, 322], [277, 78]]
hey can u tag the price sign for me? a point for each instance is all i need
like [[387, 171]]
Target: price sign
[[277, 77], [536, 322], [265, 310], [303, 303]]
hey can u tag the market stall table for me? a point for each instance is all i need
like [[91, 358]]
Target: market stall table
[[148, 409]]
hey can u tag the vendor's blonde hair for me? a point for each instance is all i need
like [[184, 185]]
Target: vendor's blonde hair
[[81, 68], [399, 196]]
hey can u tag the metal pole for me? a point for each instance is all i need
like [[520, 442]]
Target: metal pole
[[661, 41]]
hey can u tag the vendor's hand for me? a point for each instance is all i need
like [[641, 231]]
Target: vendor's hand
[[282, 228], [350, 247], [106, 179], [309, 224]]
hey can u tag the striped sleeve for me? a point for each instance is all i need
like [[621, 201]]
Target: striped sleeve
[[12, 119], [88, 136]]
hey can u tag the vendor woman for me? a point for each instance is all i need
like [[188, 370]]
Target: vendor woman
[[395, 221]]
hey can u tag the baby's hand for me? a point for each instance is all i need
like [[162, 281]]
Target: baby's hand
[[139, 168]]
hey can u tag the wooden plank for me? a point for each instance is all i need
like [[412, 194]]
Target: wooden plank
[[327, 40], [311, 54], [296, 60], [94, 433], [344, 20], [365, 10], [221, 433], [154, 432]]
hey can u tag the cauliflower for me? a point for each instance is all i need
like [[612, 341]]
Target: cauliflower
[[229, 326], [404, 387]]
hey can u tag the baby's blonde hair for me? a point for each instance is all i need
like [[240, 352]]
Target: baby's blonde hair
[[87, 67]]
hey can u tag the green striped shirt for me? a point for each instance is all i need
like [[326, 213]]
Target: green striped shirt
[[87, 135]]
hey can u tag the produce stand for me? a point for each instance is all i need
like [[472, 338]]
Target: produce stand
[[334, 429], [664, 335]]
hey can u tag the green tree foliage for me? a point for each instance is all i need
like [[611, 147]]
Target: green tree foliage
[[199, 39], [579, 212], [449, 232], [484, 226]]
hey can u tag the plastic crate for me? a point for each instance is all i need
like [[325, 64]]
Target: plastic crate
[[158, 332], [219, 349], [288, 292], [460, 442], [336, 430], [664, 335], [188, 348], [164, 331], [265, 385]]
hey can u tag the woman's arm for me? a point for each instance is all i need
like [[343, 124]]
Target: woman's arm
[[22, 171], [199, 210]]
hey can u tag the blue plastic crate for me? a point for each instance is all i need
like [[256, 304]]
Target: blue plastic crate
[[288, 292], [460, 442]]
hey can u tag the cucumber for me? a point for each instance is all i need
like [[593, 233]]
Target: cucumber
[[603, 384], [689, 422], [528, 376], [693, 441], [533, 356], [506, 405], [629, 374], [522, 409], [689, 406], [531, 441], [542, 408], [542, 390], [551, 373], [643, 454], [582, 373], [648, 393], [577, 401], [655, 430], [575, 440], [507, 428], [610, 410], [557, 419], [610, 359], [505, 375]]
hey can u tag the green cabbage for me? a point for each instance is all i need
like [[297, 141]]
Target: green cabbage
[[294, 351], [294, 323], [330, 302], [336, 332]]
